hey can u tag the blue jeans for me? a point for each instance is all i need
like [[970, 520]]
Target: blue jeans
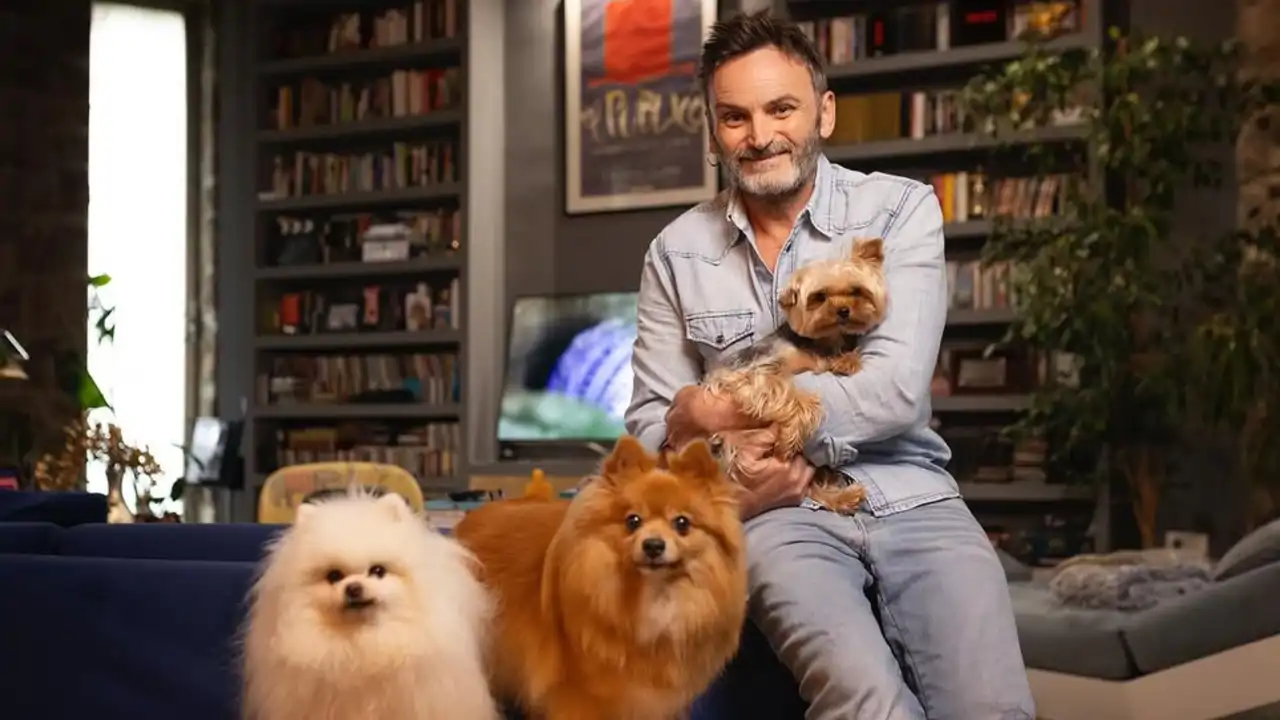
[[902, 617]]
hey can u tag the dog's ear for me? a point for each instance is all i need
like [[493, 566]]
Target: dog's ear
[[788, 297], [694, 461], [302, 512], [869, 250], [628, 458], [395, 506]]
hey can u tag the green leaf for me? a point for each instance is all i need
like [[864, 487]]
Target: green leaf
[[90, 396], [98, 281]]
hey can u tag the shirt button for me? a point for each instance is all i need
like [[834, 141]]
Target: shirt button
[[720, 338]]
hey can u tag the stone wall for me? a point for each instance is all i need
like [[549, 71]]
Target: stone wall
[[44, 198], [1258, 148]]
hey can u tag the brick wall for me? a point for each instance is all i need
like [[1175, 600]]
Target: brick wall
[[44, 196]]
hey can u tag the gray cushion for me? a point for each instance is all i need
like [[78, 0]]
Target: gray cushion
[[1075, 641], [1258, 548], [1222, 616], [1014, 571]]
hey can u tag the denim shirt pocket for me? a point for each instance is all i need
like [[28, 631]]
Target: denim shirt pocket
[[718, 333]]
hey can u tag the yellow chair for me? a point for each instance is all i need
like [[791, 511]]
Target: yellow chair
[[287, 488]]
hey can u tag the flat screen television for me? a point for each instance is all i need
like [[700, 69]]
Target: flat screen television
[[568, 375]]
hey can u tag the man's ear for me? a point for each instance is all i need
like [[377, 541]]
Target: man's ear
[[788, 297], [826, 114]]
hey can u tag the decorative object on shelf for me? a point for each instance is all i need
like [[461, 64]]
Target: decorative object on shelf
[[1103, 283], [12, 357], [635, 126], [103, 442]]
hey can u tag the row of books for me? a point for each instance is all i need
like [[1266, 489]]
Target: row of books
[[875, 117], [403, 165], [307, 35], [978, 286], [371, 307], [428, 451], [966, 196], [920, 27], [359, 237], [312, 102], [428, 378], [983, 454], [872, 117]]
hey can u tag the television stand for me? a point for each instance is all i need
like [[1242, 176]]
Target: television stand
[[543, 450]]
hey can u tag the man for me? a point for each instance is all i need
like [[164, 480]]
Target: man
[[901, 611]]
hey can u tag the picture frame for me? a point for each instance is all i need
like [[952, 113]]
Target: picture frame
[[636, 135]]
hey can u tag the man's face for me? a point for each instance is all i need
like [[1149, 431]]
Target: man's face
[[768, 123]]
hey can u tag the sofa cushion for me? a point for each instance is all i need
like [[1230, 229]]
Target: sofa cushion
[[30, 538], [1258, 548], [60, 508], [231, 542], [115, 639]]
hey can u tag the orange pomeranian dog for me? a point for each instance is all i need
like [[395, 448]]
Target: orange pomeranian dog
[[623, 604]]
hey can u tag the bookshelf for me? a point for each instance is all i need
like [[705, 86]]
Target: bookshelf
[[893, 67], [360, 268]]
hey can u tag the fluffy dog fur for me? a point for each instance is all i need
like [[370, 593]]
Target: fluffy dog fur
[[623, 604], [363, 611], [828, 306]]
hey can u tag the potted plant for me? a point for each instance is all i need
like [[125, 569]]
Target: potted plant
[[1106, 288]]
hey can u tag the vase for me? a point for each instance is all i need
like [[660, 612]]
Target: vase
[[117, 511]]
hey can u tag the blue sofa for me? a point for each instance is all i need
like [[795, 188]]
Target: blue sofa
[[135, 622]]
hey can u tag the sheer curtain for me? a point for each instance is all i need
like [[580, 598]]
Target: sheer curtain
[[138, 226]]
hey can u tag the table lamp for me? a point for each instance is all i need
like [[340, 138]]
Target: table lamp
[[12, 357]]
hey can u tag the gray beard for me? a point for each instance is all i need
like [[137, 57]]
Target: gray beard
[[804, 159]]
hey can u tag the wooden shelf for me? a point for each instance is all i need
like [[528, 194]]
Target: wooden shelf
[[358, 340], [361, 199], [932, 61], [1000, 316], [1023, 491], [357, 411], [363, 129], [980, 403], [932, 146], [360, 270], [377, 57]]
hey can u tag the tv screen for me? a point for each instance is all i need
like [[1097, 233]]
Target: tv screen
[[568, 368]]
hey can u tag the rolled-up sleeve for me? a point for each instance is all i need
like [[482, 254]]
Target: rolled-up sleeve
[[891, 393], [663, 361]]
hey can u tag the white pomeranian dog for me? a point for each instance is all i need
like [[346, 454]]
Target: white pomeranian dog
[[362, 612]]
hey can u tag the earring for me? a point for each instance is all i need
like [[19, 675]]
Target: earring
[[713, 160]]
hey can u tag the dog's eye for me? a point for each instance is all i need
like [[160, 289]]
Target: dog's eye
[[817, 298], [377, 571], [681, 524], [334, 576], [858, 293], [633, 522]]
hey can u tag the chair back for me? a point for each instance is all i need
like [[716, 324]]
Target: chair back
[[288, 487]]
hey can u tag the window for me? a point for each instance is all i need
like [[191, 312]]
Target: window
[[138, 226]]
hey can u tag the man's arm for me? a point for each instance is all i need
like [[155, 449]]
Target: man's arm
[[891, 393], [663, 360]]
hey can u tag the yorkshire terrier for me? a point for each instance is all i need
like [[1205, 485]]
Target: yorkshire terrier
[[828, 305]]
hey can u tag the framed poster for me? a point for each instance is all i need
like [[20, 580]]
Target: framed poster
[[635, 126]]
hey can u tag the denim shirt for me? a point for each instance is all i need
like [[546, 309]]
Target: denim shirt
[[705, 294]]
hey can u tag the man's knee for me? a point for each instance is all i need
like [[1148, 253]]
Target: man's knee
[[808, 598]]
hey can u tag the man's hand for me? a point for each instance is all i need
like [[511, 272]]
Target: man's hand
[[696, 413], [767, 482]]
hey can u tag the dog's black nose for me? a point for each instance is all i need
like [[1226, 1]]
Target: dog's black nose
[[654, 547], [843, 313], [354, 591]]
